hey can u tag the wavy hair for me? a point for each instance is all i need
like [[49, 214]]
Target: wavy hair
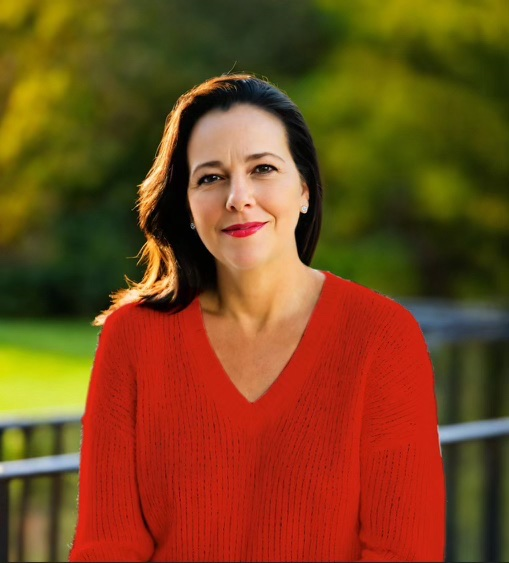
[[178, 266]]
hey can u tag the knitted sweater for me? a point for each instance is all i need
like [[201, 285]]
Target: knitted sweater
[[338, 461]]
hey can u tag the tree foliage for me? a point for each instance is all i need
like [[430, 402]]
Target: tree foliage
[[407, 102], [83, 99], [411, 117]]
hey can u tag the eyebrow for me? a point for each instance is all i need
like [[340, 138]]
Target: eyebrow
[[254, 156]]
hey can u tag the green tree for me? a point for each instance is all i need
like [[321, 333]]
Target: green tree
[[407, 102], [84, 92], [410, 114]]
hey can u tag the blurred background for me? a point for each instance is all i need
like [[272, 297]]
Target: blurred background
[[408, 103]]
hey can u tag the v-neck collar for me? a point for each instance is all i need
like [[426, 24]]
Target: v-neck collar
[[286, 387]]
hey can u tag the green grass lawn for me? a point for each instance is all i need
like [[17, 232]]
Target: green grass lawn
[[45, 365]]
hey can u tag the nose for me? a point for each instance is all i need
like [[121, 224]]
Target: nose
[[240, 194]]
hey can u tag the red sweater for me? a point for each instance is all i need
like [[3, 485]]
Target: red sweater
[[338, 461]]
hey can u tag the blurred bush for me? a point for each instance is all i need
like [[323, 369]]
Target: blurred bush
[[411, 116], [407, 103]]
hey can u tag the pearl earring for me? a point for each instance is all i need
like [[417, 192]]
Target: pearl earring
[[193, 226], [304, 209]]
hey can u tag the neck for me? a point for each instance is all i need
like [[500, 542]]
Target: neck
[[260, 299]]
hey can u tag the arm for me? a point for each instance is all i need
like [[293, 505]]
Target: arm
[[110, 523], [402, 509]]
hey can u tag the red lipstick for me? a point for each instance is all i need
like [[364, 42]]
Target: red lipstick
[[243, 229]]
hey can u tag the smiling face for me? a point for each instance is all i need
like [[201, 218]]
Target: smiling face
[[241, 171]]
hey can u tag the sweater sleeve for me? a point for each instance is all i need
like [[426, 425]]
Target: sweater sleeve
[[110, 524], [402, 506]]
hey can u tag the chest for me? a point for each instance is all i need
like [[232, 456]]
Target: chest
[[254, 363]]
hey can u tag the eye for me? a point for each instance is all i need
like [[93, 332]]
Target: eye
[[208, 179], [265, 168]]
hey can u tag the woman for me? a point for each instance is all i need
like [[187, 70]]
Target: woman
[[244, 406]]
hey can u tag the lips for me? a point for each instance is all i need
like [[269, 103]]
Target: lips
[[243, 229], [242, 226]]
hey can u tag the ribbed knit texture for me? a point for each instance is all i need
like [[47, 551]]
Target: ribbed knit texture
[[338, 461]]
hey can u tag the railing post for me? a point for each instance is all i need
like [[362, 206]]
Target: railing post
[[494, 380], [25, 496], [4, 520], [56, 497], [450, 456]]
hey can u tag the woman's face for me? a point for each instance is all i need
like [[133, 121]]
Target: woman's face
[[245, 193]]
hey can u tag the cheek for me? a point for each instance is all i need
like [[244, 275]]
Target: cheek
[[284, 203], [203, 207]]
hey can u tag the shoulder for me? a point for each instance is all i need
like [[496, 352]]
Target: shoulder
[[382, 328], [135, 319], [123, 317], [372, 308]]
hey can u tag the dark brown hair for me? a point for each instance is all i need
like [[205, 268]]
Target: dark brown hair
[[178, 266]]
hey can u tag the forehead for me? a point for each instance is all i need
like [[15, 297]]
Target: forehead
[[242, 127]]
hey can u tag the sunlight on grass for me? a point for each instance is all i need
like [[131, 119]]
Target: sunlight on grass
[[46, 365], [38, 380]]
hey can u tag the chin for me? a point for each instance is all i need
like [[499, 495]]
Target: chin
[[244, 263]]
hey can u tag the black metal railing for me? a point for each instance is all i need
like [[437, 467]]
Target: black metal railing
[[490, 432], [54, 466], [28, 424], [443, 321], [29, 467]]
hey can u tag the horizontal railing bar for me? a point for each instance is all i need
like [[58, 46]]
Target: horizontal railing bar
[[40, 466], [437, 339], [450, 321], [476, 430]]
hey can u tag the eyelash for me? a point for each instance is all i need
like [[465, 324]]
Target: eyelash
[[272, 169]]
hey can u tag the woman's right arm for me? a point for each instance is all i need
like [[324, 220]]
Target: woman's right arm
[[110, 523]]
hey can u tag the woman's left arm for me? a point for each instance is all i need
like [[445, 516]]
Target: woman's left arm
[[403, 505]]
